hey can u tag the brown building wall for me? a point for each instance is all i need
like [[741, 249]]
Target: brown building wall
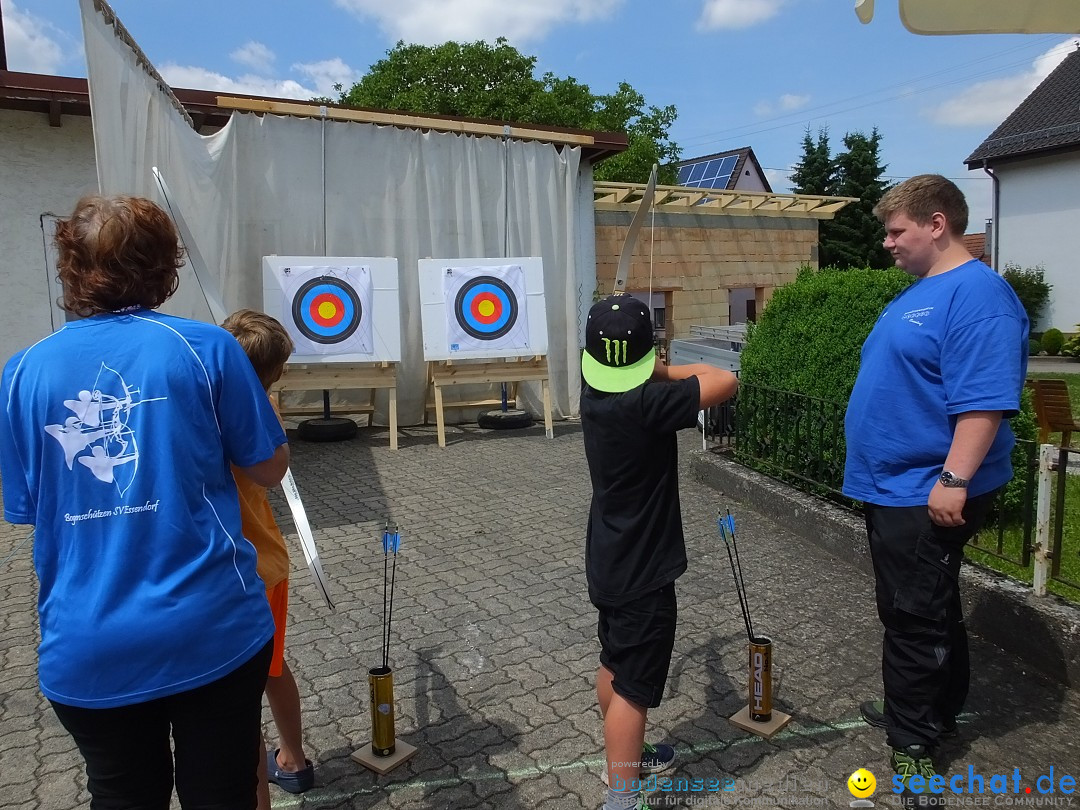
[[698, 258]]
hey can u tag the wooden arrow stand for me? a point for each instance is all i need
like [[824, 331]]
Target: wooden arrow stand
[[512, 370]]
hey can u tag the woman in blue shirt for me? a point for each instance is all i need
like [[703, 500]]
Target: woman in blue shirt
[[116, 436]]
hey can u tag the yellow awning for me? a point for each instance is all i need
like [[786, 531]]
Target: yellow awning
[[984, 16]]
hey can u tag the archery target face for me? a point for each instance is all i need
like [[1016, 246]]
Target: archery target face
[[329, 309], [326, 310], [486, 308]]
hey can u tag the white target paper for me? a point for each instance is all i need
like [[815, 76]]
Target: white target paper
[[482, 308], [328, 309], [336, 309]]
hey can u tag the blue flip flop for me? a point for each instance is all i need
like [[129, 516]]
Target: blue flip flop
[[290, 781]]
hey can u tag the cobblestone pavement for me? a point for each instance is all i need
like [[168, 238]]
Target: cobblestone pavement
[[494, 647]]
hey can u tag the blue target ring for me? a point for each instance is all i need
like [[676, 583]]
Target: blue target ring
[[486, 308], [326, 310]]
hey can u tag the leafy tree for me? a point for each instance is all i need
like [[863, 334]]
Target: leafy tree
[[853, 238], [1031, 288], [496, 81], [816, 172]]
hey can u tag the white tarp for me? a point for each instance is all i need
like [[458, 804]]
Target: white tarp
[[256, 188]]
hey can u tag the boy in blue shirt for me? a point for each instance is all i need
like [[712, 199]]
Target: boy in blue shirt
[[928, 446]]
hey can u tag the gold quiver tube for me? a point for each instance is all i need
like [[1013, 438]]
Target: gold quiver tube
[[381, 681], [761, 679]]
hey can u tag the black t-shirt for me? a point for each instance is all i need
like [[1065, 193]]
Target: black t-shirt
[[634, 543]]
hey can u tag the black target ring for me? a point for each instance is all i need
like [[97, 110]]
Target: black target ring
[[326, 310], [470, 308]]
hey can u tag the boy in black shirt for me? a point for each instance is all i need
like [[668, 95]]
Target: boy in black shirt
[[631, 408]]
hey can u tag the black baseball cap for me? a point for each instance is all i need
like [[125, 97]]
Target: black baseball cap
[[619, 353]]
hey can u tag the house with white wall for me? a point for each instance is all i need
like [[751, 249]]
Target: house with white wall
[[1034, 160]]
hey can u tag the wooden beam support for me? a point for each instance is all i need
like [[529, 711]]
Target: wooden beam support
[[403, 120]]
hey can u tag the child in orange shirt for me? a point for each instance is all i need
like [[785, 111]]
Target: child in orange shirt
[[268, 346]]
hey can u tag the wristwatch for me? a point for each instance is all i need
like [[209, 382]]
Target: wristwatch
[[952, 481]]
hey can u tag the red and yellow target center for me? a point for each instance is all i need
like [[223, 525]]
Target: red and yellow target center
[[486, 308], [326, 310]]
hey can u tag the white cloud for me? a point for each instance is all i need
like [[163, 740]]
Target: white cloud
[[434, 21], [327, 73], [197, 78], [318, 79], [32, 43], [779, 179], [721, 14], [990, 102], [256, 56], [788, 102]]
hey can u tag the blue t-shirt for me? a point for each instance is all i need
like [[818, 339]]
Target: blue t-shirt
[[948, 344], [116, 435]]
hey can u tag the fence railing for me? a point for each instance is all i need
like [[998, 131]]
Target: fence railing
[[791, 436], [800, 439]]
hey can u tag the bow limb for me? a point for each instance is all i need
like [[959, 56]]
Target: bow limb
[[632, 233]]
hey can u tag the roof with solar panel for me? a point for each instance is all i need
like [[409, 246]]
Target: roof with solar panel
[[735, 169]]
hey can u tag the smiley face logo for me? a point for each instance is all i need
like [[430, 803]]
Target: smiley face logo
[[861, 783]]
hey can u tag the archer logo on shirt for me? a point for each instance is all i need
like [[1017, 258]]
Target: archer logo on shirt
[[917, 316], [97, 422]]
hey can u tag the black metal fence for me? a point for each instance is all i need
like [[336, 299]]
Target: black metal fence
[[791, 436], [800, 439]]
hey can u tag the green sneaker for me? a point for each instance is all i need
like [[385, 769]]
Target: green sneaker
[[913, 761]]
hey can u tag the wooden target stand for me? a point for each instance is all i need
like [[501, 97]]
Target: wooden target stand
[[511, 370], [338, 376]]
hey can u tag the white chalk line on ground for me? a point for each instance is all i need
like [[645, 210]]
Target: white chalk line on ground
[[317, 797]]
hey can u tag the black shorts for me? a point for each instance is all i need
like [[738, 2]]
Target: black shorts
[[636, 640]]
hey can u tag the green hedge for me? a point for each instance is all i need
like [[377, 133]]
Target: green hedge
[[1052, 340], [809, 336]]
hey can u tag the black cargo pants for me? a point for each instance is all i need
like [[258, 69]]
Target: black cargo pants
[[924, 660]]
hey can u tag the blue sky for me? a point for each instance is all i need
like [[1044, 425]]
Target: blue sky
[[741, 72]]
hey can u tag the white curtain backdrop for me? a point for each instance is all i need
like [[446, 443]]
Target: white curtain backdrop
[[307, 186]]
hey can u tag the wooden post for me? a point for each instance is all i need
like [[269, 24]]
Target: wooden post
[[1041, 556]]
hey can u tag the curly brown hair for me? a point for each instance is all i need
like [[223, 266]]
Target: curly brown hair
[[117, 252], [264, 340]]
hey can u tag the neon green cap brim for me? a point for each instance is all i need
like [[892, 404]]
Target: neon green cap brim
[[616, 380]]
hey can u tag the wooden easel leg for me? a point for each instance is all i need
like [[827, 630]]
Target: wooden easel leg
[[440, 422], [549, 431], [393, 418]]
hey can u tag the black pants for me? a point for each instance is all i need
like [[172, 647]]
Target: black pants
[[216, 732], [924, 660]]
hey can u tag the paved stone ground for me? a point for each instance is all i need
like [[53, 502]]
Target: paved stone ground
[[494, 647]]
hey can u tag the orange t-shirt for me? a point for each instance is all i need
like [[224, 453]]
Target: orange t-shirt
[[259, 526]]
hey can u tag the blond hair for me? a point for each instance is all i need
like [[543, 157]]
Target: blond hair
[[921, 197], [264, 340]]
